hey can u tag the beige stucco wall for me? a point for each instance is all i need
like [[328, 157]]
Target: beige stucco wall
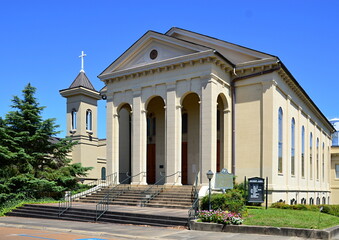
[[257, 103]]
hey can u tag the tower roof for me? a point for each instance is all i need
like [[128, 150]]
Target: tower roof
[[82, 81]]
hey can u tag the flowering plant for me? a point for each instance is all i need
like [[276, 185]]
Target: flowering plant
[[218, 216]]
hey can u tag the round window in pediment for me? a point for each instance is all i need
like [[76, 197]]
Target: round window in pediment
[[153, 54]]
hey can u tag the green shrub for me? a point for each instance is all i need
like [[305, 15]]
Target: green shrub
[[232, 201], [329, 209]]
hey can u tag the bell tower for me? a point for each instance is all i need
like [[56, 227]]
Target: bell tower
[[82, 120]]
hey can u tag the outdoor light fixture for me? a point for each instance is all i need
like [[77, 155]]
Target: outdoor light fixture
[[209, 175]]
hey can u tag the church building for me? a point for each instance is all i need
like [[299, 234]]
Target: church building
[[181, 103]]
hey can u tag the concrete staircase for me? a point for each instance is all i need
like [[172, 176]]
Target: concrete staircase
[[89, 215], [126, 196], [179, 197]]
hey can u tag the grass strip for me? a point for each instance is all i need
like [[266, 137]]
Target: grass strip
[[290, 218]]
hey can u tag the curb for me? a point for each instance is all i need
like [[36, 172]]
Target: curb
[[328, 233]]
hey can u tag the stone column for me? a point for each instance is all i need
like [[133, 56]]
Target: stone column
[[112, 124], [138, 161], [115, 139], [208, 132], [173, 137]]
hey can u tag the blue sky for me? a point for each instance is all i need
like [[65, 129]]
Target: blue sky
[[40, 41]]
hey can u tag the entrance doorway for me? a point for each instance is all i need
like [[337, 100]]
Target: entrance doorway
[[155, 139], [124, 143], [190, 148]]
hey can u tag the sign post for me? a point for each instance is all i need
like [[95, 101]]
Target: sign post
[[223, 180]]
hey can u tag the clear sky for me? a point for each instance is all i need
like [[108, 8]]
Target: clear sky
[[40, 41]]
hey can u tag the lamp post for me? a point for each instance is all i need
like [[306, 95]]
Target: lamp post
[[209, 176]]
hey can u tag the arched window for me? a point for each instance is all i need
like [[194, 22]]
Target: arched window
[[318, 201], [317, 166], [311, 162], [323, 162], [103, 173], [303, 151], [280, 141], [89, 120], [293, 147], [74, 119]]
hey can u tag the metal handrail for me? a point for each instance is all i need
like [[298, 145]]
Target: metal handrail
[[65, 205], [97, 185], [148, 198], [108, 179], [103, 205], [193, 211]]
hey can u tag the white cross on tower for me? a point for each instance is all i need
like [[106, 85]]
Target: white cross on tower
[[82, 61]]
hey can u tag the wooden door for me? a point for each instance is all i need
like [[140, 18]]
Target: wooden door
[[184, 163], [218, 156], [150, 163]]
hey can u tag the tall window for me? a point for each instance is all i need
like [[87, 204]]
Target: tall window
[[293, 147], [103, 173], [311, 163], [337, 171], [89, 120], [74, 119], [323, 162], [317, 167], [303, 151], [280, 140]]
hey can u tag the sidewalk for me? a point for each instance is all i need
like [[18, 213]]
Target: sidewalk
[[120, 231]]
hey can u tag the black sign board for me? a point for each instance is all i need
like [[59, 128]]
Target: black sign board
[[256, 190]]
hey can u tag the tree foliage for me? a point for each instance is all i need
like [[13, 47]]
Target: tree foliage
[[32, 160]]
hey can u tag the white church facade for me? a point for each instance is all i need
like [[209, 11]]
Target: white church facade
[[181, 103]]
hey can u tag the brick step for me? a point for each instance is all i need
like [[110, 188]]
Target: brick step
[[175, 195], [171, 202], [157, 205]]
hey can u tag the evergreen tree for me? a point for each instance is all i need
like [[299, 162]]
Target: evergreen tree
[[32, 159]]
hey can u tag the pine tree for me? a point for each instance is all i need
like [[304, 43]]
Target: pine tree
[[32, 159]]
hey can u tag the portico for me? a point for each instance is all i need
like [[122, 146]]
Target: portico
[[171, 119]]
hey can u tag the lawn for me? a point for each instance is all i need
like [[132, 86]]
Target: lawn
[[290, 218]]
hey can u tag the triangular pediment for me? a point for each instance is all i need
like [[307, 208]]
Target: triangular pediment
[[235, 53], [152, 48]]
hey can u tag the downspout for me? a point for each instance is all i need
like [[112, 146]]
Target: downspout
[[233, 122]]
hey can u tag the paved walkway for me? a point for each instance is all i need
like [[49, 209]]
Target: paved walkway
[[119, 231]]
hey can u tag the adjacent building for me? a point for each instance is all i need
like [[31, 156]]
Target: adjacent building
[[334, 170]]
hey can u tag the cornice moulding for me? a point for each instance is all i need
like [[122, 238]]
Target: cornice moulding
[[168, 64]]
